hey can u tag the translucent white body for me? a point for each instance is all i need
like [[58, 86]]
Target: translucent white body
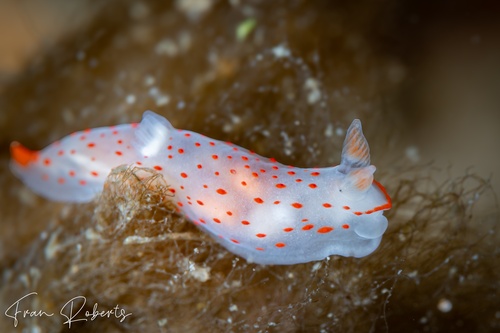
[[264, 211]]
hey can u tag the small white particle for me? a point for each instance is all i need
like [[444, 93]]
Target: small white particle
[[339, 131], [181, 105], [312, 86], [233, 307], [329, 130], [444, 305], [130, 99], [281, 51], [149, 80], [412, 154], [316, 267]]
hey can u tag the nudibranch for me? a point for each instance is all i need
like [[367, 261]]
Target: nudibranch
[[257, 208]]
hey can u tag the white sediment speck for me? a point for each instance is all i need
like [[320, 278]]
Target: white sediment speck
[[444, 305], [314, 93], [412, 154], [281, 51], [130, 99]]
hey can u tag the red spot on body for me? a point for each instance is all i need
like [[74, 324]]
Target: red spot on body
[[172, 190], [187, 135], [138, 163], [157, 167], [275, 167], [216, 173], [324, 230], [358, 213], [91, 145], [308, 227], [261, 235], [276, 202], [346, 207], [94, 173], [280, 245], [314, 174], [71, 173], [298, 180], [327, 205], [180, 150], [215, 157], [297, 205], [197, 144], [244, 158], [119, 142], [119, 153], [202, 221], [169, 147], [313, 185], [114, 132], [235, 241], [288, 229], [184, 175], [291, 173], [258, 200], [211, 143], [47, 162], [205, 186], [275, 177], [262, 170], [216, 220], [305, 220], [199, 202], [273, 160], [61, 180], [82, 182], [229, 157], [229, 213], [259, 249], [83, 137], [244, 222], [345, 226], [60, 153], [232, 171], [170, 156], [244, 183], [221, 191], [199, 166], [255, 174], [280, 185]]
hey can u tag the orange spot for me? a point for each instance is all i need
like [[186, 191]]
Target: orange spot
[[244, 183], [71, 173], [261, 235], [47, 161], [172, 190], [235, 241], [358, 213], [369, 211], [262, 170], [229, 213], [184, 175], [180, 150], [221, 191], [61, 180], [170, 156], [276, 202], [346, 207], [119, 153], [169, 147], [259, 249], [298, 180], [232, 171], [216, 220], [280, 245], [327, 205], [280, 185], [324, 230], [314, 174], [91, 145], [345, 226], [197, 144], [308, 227], [216, 173], [245, 222], [258, 200], [114, 132], [215, 157], [288, 229], [275, 167], [199, 202], [83, 137], [157, 167], [119, 142], [205, 186], [22, 155], [94, 173], [60, 153], [313, 185], [229, 157], [211, 143], [273, 160], [297, 205], [82, 182], [291, 173], [138, 163], [246, 166], [187, 135], [202, 221], [255, 174]]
